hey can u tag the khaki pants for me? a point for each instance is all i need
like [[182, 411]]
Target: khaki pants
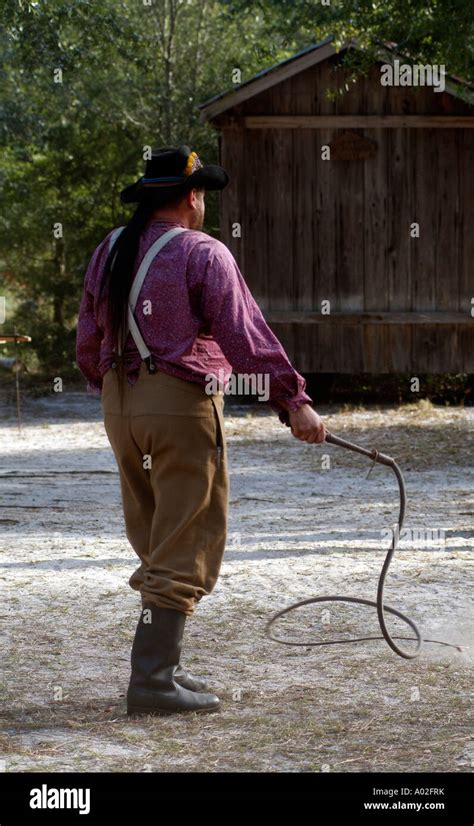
[[174, 483]]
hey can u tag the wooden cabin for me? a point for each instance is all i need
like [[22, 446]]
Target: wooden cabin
[[306, 229]]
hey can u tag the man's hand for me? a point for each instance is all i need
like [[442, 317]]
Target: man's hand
[[307, 425]]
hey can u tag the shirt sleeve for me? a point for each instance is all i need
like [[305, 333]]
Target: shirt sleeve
[[236, 322], [89, 335]]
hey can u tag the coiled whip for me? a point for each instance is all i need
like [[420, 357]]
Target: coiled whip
[[376, 456]]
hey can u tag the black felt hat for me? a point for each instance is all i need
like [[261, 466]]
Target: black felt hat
[[174, 171]]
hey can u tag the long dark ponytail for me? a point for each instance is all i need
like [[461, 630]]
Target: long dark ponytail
[[119, 271]]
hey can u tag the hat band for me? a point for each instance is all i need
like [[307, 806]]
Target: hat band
[[163, 180]]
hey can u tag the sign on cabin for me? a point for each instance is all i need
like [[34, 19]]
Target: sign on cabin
[[352, 146]]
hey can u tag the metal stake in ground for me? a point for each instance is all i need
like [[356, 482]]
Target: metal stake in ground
[[16, 338]]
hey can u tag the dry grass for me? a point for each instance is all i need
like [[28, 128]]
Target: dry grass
[[70, 617]]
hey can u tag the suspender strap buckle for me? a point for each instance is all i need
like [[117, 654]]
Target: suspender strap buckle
[[150, 364]]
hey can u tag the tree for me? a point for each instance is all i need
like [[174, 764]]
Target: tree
[[85, 87]]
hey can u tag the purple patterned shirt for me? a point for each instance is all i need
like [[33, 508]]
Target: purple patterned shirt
[[204, 320]]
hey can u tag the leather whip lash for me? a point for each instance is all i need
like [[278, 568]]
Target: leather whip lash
[[376, 456]]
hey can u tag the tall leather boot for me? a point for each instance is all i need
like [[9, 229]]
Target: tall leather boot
[[155, 657]]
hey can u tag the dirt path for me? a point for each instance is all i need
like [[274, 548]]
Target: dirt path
[[296, 530]]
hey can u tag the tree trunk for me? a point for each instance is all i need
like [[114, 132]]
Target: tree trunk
[[60, 272]]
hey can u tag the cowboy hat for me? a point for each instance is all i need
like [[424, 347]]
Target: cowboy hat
[[174, 171]]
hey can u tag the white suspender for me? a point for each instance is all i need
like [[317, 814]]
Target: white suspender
[[114, 237], [137, 285]]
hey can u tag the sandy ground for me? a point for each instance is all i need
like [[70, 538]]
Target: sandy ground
[[297, 530]]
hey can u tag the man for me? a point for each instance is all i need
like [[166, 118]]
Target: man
[[194, 317]]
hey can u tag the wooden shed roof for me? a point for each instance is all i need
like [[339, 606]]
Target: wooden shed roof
[[299, 62]]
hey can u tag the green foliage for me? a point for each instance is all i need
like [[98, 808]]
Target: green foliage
[[430, 31], [132, 76]]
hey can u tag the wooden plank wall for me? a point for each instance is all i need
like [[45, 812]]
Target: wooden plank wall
[[315, 230], [466, 245]]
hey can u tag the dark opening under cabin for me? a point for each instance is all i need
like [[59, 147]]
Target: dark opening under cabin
[[306, 230]]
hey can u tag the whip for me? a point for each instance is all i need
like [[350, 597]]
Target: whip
[[376, 456]]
